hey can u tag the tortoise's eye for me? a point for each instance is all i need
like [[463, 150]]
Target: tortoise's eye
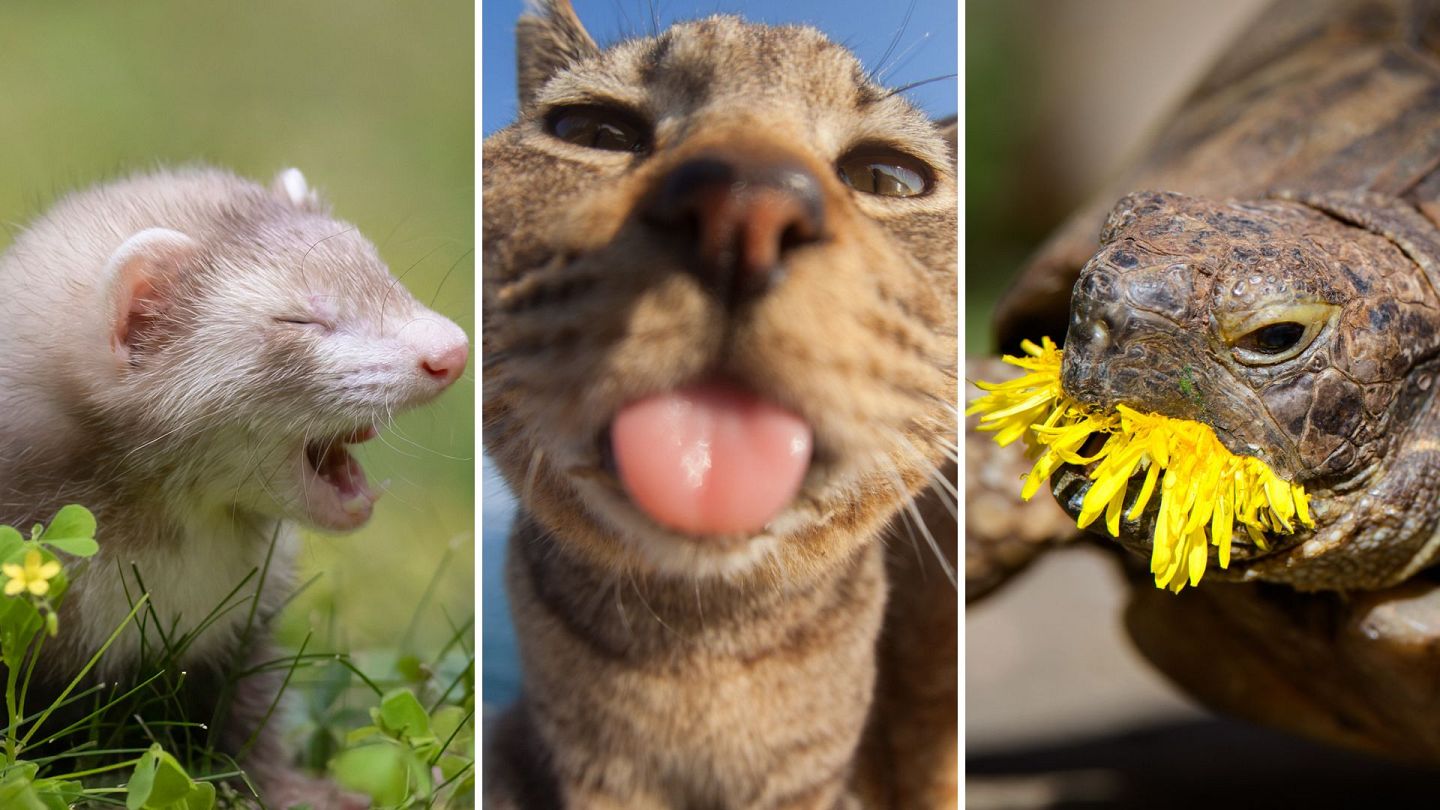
[[1276, 333], [607, 128], [885, 172], [1277, 338]]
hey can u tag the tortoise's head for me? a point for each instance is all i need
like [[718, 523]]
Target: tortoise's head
[[1301, 336]]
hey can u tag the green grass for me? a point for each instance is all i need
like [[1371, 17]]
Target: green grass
[[155, 737]]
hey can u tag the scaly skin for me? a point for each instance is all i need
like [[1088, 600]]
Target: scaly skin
[[1169, 317]]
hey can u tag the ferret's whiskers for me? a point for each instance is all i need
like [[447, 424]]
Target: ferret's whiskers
[[306, 256], [440, 286]]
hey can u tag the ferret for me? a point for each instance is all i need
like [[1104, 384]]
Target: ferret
[[190, 355]]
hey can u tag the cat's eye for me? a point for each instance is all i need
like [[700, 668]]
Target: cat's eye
[[1277, 333], [593, 127], [885, 172]]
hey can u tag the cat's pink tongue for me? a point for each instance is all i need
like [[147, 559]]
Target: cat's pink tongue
[[710, 458]]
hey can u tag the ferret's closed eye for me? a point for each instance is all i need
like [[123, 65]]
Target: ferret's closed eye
[[301, 321]]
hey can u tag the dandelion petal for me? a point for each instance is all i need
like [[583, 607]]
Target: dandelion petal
[[1205, 490]]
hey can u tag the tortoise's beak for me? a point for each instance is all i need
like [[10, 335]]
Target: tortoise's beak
[[1070, 484], [1105, 328], [1128, 338]]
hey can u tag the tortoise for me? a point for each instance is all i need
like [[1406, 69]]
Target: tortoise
[[1270, 267]]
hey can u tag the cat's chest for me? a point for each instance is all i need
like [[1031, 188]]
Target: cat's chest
[[737, 708], [201, 585]]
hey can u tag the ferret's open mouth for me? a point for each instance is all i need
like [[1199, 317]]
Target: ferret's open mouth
[[336, 494], [710, 459]]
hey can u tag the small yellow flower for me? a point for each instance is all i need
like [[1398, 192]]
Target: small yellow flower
[[34, 576], [1205, 490]]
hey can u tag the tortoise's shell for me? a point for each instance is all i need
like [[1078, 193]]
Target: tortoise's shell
[[1316, 96]]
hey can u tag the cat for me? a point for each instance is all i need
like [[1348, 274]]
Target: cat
[[719, 286]]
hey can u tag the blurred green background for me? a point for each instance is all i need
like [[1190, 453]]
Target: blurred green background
[[1059, 96], [374, 101], [1000, 227]]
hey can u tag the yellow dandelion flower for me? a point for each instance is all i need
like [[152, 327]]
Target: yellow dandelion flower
[[1205, 490], [34, 576]]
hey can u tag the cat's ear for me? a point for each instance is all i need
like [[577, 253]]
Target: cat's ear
[[141, 276], [549, 38], [949, 129], [291, 186]]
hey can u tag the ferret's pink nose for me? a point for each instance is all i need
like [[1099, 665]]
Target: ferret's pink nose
[[445, 363], [440, 346]]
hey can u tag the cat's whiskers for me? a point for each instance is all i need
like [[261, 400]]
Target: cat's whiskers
[[909, 510], [618, 584], [641, 596], [903, 58], [904, 88], [880, 66], [536, 457], [948, 491]]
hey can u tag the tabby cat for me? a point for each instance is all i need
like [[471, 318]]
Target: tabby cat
[[720, 375]]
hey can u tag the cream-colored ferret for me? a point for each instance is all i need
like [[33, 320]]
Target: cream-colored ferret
[[190, 355]]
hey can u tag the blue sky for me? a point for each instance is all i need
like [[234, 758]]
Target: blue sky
[[928, 47]]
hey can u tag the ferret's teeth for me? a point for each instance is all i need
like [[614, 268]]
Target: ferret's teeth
[[355, 505]]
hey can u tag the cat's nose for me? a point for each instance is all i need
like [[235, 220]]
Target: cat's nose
[[741, 215]]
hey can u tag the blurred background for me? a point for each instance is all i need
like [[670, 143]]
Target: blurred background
[[1060, 710], [374, 102], [1058, 95], [920, 38]]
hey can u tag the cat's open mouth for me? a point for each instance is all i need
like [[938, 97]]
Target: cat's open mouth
[[710, 459], [335, 492]]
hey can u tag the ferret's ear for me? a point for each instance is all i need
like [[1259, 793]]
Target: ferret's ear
[[548, 39], [141, 275], [290, 184]]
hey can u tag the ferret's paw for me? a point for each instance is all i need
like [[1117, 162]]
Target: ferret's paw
[[294, 789]]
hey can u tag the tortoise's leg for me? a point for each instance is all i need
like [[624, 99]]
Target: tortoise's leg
[[1362, 671], [1003, 534]]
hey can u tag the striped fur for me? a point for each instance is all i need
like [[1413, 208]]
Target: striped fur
[[660, 670]]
